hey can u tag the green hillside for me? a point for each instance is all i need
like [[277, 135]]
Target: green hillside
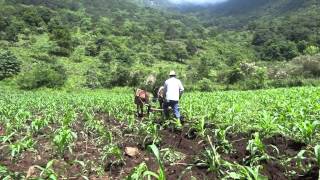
[[107, 43]]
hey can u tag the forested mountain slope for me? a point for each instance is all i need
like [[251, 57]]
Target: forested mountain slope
[[239, 13], [108, 43]]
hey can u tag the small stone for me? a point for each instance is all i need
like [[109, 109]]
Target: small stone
[[31, 172], [39, 158], [131, 151]]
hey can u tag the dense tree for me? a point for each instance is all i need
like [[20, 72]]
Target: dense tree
[[9, 65], [43, 75]]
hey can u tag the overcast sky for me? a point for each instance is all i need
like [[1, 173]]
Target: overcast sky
[[197, 1]]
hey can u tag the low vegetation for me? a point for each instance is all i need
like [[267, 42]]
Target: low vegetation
[[251, 135]]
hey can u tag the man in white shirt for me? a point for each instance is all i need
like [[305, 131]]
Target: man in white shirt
[[173, 90]]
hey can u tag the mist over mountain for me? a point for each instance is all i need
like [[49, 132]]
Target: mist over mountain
[[237, 13], [197, 2]]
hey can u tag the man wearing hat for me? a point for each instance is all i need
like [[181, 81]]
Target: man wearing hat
[[173, 90]]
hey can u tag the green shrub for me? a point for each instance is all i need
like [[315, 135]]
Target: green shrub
[[91, 50], [60, 51], [43, 58], [256, 80], [146, 59], [9, 65], [62, 37], [290, 82], [92, 79], [204, 85], [312, 50], [43, 75], [106, 56], [307, 66], [312, 67]]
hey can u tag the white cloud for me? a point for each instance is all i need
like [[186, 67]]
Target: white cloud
[[197, 1]]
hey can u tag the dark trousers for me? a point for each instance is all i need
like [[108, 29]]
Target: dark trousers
[[175, 107]]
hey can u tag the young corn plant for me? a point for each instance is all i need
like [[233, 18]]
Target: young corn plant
[[63, 139], [83, 171], [68, 118], [38, 124], [257, 151], [48, 171], [7, 138], [300, 157], [200, 126], [220, 137], [173, 123], [131, 120], [113, 154], [245, 172], [153, 135], [138, 172], [20, 146], [267, 123], [161, 172], [213, 160], [5, 174], [306, 130]]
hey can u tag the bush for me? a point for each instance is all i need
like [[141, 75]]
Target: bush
[[280, 83], [307, 66], [312, 67], [92, 79], [63, 39], [107, 56], [256, 80], [146, 59], [234, 76], [248, 76], [121, 76], [312, 50], [92, 50], [60, 51], [43, 75], [44, 58], [9, 65], [204, 85]]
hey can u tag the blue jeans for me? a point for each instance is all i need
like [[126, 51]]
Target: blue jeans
[[175, 107]]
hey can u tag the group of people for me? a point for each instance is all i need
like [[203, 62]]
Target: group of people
[[168, 95]]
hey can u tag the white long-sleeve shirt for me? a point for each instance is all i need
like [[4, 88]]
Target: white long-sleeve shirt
[[172, 88]]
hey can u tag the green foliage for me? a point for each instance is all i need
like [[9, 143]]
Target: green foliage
[[9, 65], [61, 35], [207, 45], [31, 17], [161, 176], [204, 85], [83, 113], [48, 171], [307, 66], [43, 75], [92, 50], [175, 51], [63, 139], [137, 172], [312, 50], [107, 56]]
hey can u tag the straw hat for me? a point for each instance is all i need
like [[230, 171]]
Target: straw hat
[[172, 73]]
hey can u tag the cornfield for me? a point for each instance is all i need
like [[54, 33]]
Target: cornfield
[[267, 134]]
